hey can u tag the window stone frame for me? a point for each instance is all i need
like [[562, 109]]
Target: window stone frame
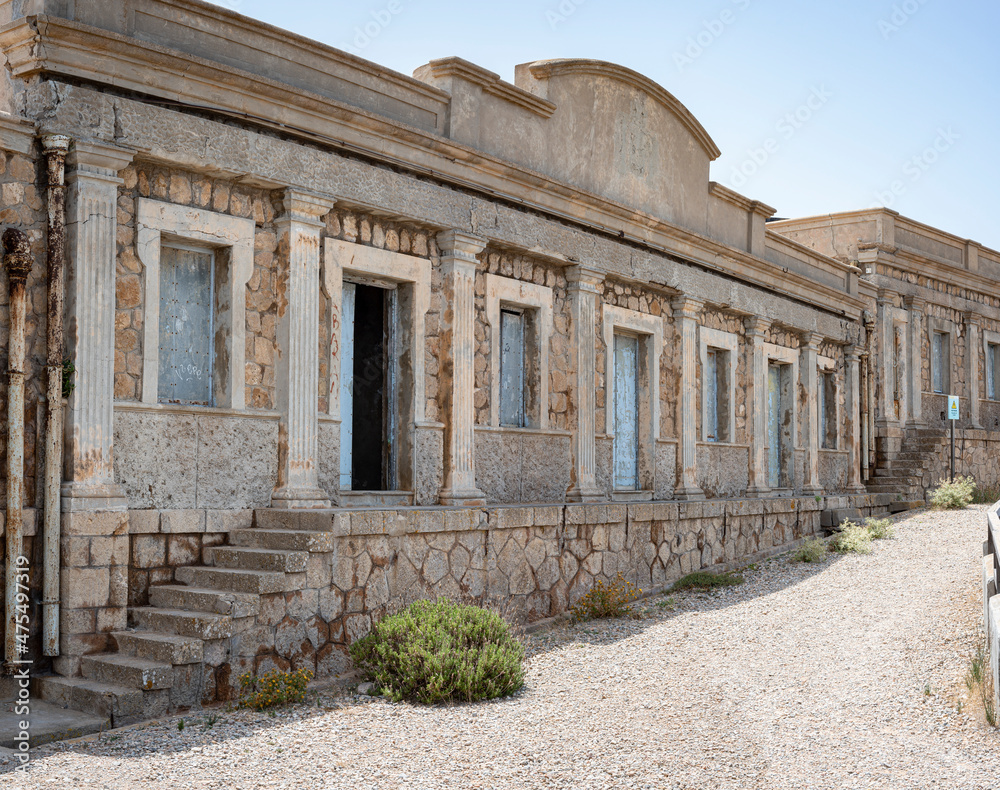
[[730, 343], [157, 222], [501, 291], [990, 339]]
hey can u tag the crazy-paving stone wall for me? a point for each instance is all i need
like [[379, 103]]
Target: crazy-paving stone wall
[[536, 561]]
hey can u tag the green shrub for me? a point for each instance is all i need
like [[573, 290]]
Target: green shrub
[[613, 599], [273, 689], [880, 528], [852, 539], [811, 550], [704, 580], [441, 651], [953, 495]]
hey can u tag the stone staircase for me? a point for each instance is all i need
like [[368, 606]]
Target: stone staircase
[[903, 473], [182, 650]]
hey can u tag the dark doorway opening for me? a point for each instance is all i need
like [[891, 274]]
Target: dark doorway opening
[[371, 466]]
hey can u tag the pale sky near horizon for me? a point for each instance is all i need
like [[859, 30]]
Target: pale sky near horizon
[[817, 107]]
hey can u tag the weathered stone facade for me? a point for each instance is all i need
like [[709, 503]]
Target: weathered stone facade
[[451, 347]]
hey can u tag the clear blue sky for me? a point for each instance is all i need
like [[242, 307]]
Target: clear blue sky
[[817, 107]]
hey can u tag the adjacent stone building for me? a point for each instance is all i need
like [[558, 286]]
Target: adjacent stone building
[[344, 337]]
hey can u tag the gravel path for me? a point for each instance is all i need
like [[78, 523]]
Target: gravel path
[[844, 675]]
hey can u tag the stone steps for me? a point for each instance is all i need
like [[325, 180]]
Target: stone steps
[[233, 579], [129, 671], [204, 599], [179, 622], [311, 541], [259, 559], [119, 704], [167, 648]]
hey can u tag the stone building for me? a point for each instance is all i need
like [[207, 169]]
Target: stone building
[[344, 337]]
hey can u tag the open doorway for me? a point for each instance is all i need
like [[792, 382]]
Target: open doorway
[[368, 388]]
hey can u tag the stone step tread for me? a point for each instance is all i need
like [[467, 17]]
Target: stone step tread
[[297, 520], [202, 625], [204, 599], [128, 671], [313, 541], [122, 704], [170, 648], [259, 559], [235, 579]]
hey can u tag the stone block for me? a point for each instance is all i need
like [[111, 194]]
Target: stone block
[[101, 523], [109, 550], [183, 550], [149, 551], [462, 520], [75, 552], [228, 520], [513, 517], [641, 512], [182, 521], [548, 516], [85, 587], [142, 522], [427, 521], [368, 522]]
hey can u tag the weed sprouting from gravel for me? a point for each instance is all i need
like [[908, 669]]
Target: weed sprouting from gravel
[[273, 689], [613, 599], [979, 680], [704, 580], [852, 538], [811, 550], [880, 528], [953, 494]]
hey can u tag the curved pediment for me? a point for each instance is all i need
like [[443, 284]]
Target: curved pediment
[[548, 69]]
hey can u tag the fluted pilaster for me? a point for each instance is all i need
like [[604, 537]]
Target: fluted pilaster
[[92, 238], [686, 313], [457, 386], [298, 353]]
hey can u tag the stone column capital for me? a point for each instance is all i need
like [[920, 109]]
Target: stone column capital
[[459, 245], [810, 340], [305, 207], [581, 277], [98, 160], [915, 304], [886, 297], [972, 319], [852, 353], [687, 306], [756, 326]]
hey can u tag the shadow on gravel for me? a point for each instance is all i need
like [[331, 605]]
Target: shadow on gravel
[[763, 578]]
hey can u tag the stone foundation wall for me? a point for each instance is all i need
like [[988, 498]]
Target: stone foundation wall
[[535, 561]]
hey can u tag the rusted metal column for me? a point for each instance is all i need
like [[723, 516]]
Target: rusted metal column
[[56, 148], [17, 259]]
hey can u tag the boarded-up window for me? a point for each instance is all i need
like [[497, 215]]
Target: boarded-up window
[[774, 413], [939, 361], [712, 406], [992, 368], [827, 398], [512, 368], [626, 443], [187, 325]]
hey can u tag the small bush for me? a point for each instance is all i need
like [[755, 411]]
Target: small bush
[[606, 600], [954, 494], [441, 651], [274, 689], [811, 550], [703, 580], [852, 539], [880, 528]]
